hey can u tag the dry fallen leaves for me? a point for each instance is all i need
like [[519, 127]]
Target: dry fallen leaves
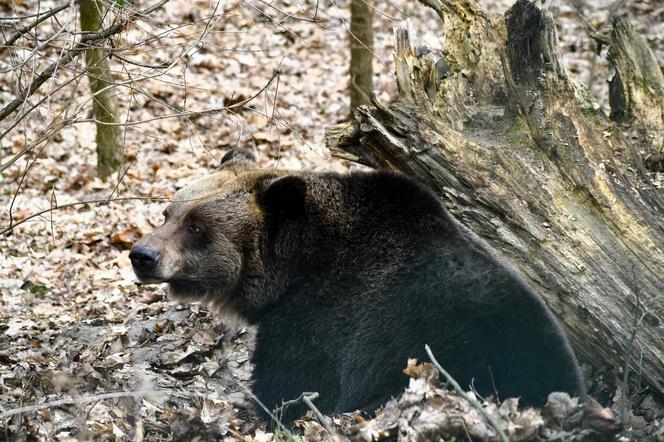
[[73, 322]]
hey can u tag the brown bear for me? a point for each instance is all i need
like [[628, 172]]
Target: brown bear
[[347, 276]]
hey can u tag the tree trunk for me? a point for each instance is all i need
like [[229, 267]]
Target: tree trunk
[[109, 148], [521, 155], [361, 52]]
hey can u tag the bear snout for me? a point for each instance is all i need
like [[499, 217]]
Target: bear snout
[[144, 260]]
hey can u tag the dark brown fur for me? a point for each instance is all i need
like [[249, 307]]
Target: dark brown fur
[[347, 276]]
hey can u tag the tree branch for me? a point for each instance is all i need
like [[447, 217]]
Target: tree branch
[[470, 399], [24, 30], [86, 41]]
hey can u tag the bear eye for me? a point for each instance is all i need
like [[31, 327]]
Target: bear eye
[[195, 228]]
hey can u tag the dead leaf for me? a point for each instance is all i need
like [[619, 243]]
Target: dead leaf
[[126, 238]]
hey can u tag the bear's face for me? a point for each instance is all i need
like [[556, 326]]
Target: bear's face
[[208, 246], [199, 247]]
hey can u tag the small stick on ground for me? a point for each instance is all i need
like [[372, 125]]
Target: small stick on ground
[[71, 401], [308, 397], [472, 401], [275, 419]]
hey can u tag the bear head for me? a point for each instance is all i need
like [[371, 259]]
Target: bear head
[[209, 247]]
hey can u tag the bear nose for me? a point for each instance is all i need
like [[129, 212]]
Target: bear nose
[[143, 259]]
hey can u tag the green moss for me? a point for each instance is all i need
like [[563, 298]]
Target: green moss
[[515, 130], [517, 136], [587, 102]]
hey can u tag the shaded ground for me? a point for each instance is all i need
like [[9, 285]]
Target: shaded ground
[[74, 326]]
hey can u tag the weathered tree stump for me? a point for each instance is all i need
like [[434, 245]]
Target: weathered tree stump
[[522, 155]]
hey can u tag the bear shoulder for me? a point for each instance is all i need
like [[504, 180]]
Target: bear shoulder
[[395, 196]]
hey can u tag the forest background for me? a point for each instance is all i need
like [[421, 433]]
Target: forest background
[[196, 79]]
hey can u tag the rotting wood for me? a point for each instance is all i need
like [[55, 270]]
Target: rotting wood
[[636, 92], [525, 159]]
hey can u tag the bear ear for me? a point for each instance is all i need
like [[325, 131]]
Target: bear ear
[[283, 196], [237, 156]]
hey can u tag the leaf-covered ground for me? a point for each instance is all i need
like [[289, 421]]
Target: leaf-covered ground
[[84, 352]]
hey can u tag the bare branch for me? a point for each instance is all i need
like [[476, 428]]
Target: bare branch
[[24, 30], [470, 399], [100, 202], [84, 43], [307, 399], [264, 408], [71, 401]]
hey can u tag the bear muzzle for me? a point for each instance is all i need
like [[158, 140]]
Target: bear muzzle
[[144, 260]]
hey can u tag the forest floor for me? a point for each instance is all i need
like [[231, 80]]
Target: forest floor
[[87, 352]]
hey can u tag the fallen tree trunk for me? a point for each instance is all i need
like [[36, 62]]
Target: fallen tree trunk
[[523, 156]]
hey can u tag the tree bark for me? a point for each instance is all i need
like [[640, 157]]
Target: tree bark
[[522, 156], [108, 136], [361, 56]]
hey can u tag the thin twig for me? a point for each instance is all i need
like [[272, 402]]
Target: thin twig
[[182, 112], [276, 97], [23, 17], [120, 178], [71, 401], [309, 19], [383, 13], [307, 399], [36, 105], [49, 71], [277, 24], [152, 8], [354, 37], [471, 400], [163, 65], [24, 30], [590, 28], [267, 410], [46, 133], [100, 202], [84, 43]]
